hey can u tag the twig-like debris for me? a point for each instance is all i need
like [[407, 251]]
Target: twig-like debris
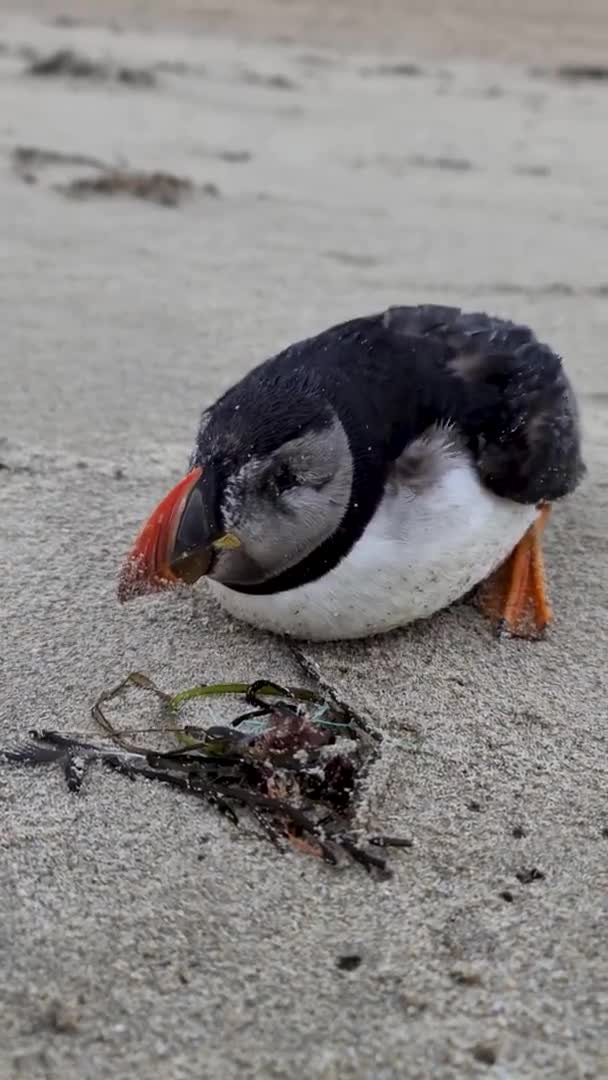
[[391, 841], [134, 678], [360, 855]]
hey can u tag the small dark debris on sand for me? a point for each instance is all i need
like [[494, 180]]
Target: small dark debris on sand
[[12, 468], [532, 170], [235, 157], [527, 875], [273, 82], [63, 1017], [157, 187], [349, 962], [583, 73], [315, 60], [179, 67], [573, 73], [485, 1053], [444, 161], [466, 976], [493, 91], [66, 22], [26, 158], [68, 64], [404, 70], [354, 258], [293, 761]]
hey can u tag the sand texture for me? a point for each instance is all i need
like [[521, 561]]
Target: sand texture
[[141, 935]]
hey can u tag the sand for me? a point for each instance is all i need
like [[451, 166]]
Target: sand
[[537, 31], [142, 936]]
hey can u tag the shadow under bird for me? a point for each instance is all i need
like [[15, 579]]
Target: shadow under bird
[[372, 475]]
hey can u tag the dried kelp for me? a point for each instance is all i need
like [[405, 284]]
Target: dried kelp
[[28, 158], [292, 760], [158, 187], [69, 64], [104, 180]]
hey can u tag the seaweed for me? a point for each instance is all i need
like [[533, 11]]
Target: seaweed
[[292, 760], [67, 63], [162, 188]]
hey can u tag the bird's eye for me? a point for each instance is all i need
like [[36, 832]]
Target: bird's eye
[[283, 479]]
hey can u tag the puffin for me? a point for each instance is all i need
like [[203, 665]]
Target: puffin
[[372, 475]]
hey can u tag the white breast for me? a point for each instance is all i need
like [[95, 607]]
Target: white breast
[[421, 551]]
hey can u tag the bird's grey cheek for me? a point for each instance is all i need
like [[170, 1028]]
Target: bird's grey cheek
[[274, 537], [268, 547], [269, 543], [273, 543], [285, 538], [238, 568]]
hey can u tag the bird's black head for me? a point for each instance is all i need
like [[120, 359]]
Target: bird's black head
[[270, 482]]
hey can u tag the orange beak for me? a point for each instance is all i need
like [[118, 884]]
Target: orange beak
[[154, 563]]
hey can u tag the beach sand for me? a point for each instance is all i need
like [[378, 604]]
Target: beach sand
[[142, 936]]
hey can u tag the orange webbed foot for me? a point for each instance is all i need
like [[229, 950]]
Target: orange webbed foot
[[514, 597]]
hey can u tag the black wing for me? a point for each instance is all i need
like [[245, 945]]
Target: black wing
[[514, 402]]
